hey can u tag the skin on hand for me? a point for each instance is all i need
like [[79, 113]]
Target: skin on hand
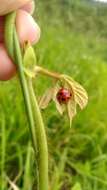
[[27, 29], [7, 6]]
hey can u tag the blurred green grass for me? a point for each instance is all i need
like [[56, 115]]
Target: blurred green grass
[[77, 154]]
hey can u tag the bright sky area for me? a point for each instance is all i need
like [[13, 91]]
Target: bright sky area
[[102, 1]]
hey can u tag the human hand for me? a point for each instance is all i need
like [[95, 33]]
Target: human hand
[[26, 28]]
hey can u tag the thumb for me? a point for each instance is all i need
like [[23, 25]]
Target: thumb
[[7, 6]]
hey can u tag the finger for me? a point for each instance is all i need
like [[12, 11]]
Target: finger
[[7, 6], [7, 68], [31, 32], [29, 7], [26, 27]]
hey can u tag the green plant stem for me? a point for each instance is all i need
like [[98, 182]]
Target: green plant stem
[[9, 33], [32, 108], [14, 50], [23, 82], [3, 146], [41, 141]]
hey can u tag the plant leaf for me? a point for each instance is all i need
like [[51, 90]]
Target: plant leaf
[[29, 59], [29, 73], [46, 98]]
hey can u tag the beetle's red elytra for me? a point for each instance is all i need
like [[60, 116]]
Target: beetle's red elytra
[[63, 96]]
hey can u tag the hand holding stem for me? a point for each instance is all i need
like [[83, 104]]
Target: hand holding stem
[[30, 32]]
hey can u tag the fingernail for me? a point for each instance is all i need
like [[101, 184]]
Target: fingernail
[[29, 7], [27, 28]]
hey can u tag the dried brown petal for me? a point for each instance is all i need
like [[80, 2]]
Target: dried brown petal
[[79, 93], [81, 100], [71, 108], [59, 107], [46, 98], [55, 90], [81, 96]]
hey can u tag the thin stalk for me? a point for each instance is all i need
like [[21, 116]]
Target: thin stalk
[[9, 33], [42, 148], [43, 71], [3, 146], [23, 82]]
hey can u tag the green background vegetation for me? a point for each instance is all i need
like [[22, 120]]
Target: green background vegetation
[[73, 41]]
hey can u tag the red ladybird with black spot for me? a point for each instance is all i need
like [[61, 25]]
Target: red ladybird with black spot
[[63, 96]]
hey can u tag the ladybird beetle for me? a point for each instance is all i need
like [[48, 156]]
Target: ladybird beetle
[[63, 96]]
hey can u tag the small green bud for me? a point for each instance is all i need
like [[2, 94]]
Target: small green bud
[[29, 59]]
